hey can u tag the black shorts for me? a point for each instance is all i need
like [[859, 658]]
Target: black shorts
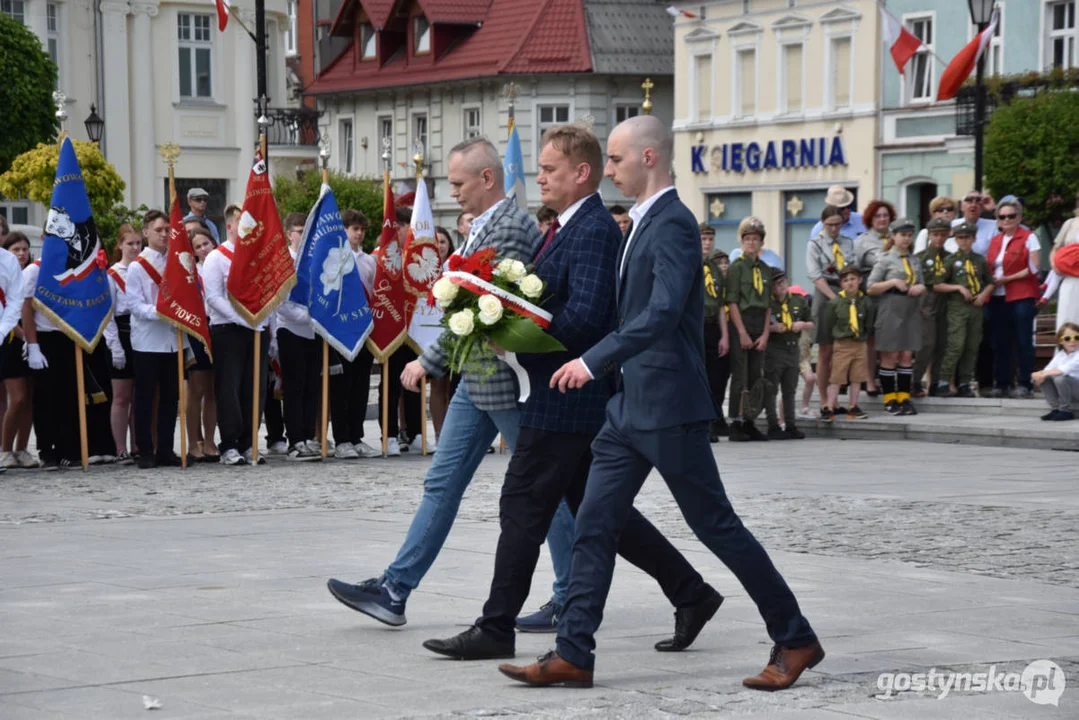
[[123, 326], [11, 363], [202, 360]]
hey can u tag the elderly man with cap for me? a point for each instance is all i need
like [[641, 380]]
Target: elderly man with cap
[[716, 339], [197, 200], [842, 198]]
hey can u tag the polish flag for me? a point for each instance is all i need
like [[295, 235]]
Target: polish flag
[[963, 64], [901, 43], [223, 7], [676, 13]]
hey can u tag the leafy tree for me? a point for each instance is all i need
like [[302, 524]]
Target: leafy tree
[[32, 175], [27, 113], [109, 222], [1032, 151], [363, 194]]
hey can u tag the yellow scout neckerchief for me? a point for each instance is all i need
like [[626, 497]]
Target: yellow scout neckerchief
[[852, 316]]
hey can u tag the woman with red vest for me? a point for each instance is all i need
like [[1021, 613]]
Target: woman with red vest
[[1014, 258]]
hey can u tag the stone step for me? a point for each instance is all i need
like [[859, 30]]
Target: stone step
[[1035, 407]]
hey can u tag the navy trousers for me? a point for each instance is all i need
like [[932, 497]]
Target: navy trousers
[[622, 459]]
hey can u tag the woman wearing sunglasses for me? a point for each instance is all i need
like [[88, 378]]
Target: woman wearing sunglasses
[[939, 207], [1059, 380], [1014, 258]]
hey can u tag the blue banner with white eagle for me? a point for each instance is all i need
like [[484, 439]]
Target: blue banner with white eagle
[[328, 280], [72, 287]]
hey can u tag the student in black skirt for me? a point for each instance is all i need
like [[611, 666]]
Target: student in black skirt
[[129, 244], [18, 416], [201, 402]]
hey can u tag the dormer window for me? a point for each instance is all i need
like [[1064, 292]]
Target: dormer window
[[368, 41], [421, 33]]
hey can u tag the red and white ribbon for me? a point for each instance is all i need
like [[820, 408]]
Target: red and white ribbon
[[519, 305]]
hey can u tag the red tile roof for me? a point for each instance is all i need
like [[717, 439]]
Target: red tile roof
[[455, 11], [516, 37]]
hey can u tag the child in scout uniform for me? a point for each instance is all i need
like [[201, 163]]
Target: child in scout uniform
[[826, 256], [967, 286], [716, 343], [898, 281], [790, 316], [749, 291], [849, 317], [933, 306]]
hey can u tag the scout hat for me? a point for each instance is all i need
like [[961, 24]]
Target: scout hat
[[751, 225], [966, 229], [850, 269], [778, 274], [938, 224], [839, 196], [706, 229], [901, 225]]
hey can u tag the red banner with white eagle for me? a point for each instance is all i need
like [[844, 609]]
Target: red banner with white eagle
[[422, 266], [388, 291], [262, 271], [179, 299]]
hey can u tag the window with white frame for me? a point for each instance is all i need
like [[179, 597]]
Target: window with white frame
[[792, 73], [701, 86], [840, 83], [196, 55], [1060, 34], [14, 9], [291, 31], [994, 54], [745, 76], [16, 213], [624, 111], [368, 41], [921, 65], [419, 131], [52, 40], [346, 139], [421, 33], [385, 130], [473, 125], [550, 115]]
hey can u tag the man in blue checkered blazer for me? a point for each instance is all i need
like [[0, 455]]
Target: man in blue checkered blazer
[[481, 407], [552, 456]]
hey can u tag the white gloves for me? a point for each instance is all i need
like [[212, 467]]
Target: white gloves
[[34, 357], [119, 358]]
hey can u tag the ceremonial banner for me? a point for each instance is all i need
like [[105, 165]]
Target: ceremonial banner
[[179, 299], [421, 265], [514, 170], [262, 271], [73, 287], [388, 294], [334, 293]]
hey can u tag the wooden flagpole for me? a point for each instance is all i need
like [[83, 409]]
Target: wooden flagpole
[[80, 380], [326, 348], [418, 160], [256, 374], [385, 360], [170, 152]]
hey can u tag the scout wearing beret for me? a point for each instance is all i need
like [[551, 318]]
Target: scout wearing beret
[[789, 317], [933, 307], [716, 342], [749, 292], [967, 285], [849, 317], [897, 279]]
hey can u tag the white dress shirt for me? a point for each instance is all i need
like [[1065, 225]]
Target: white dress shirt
[[569, 212], [149, 333], [294, 317], [119, 307], [11, 283], [29, 282], [215, 278], [477, 224], [636, 214], [1065, 363], [367, 267]]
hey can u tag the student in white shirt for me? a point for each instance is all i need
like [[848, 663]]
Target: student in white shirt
[[1059, 380], [154, 342], [129, 243], [200, 399], [11, 298]]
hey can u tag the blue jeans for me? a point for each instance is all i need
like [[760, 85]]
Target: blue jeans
[[1012, 325], [466, 434], [560, 543]]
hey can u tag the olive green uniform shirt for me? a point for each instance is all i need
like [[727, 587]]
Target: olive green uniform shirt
[[839, 317], [740, 286], [714, 291]]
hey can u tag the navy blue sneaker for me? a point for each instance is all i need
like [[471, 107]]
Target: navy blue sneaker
[[543, 621], [371, 598]]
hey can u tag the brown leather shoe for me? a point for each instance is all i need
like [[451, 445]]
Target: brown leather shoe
[[550, 669], [785, 665]]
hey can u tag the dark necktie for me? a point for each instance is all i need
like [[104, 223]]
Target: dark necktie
[[548, 237]]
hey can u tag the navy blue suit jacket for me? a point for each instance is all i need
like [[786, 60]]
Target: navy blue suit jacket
[[580, 294], [659, 341]]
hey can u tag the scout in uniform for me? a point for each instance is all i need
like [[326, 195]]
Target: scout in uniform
[[898, 281], [967, 286], [879, 214], [790, 316], [934, 307], [716, 342], [849, 316], [749, 293], [826, 256]]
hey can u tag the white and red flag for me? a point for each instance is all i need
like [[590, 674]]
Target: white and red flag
[[901, 42], [963, 64], [223, 8], [179, 297], [676, 13], [388, 293]]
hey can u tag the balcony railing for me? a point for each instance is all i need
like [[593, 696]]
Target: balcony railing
[[296, 127], [1002, 93]]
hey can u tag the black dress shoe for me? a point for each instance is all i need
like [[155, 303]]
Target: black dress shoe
[[473, 644], [146, 462], [688, 623], [754, 434], [169, 461], [738, 432]]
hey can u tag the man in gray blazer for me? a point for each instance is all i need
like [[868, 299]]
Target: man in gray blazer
[[658, 418], [481, 407]]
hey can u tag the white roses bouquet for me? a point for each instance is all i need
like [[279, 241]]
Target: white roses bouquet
[[487, 302]]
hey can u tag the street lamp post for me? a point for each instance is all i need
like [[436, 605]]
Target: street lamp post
[[95, 125], [981, 12]]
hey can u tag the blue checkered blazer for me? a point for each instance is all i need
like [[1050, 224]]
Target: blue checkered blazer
[[579, 267], [513, 234]]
